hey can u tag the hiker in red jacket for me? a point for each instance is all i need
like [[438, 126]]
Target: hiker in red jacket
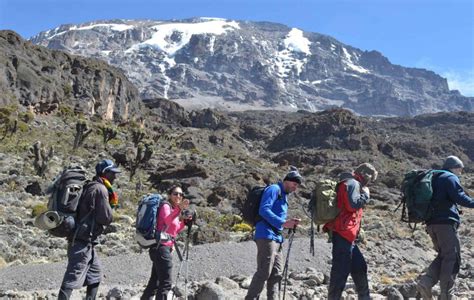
[[352, 196]]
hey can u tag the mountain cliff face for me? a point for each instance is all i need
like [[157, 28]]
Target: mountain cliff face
[[44, 79], [256, 63]]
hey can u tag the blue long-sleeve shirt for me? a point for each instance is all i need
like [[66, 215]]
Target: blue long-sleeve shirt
[[273, 210], [447, 195]]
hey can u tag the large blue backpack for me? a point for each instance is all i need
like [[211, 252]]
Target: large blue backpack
[[148, 209]]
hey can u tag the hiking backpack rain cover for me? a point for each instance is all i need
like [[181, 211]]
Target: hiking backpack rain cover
[[65, 194], [323, 204], [417, 192], [146, 234]]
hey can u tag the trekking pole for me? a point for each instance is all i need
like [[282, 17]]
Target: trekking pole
[[311, 241], [190, 226], [285, 269], [180, 256]]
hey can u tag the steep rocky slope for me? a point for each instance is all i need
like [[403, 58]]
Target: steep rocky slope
[[44, 80]]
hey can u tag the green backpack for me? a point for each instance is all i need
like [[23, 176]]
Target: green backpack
[[323, 204], [417, 192]]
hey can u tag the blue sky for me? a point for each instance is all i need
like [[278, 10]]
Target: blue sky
[[434, 34]]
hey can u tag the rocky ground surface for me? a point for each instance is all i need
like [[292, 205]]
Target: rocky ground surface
[[217, 157]]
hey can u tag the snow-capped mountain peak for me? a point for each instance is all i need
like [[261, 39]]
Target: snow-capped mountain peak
[[255, 63], [171, 37]]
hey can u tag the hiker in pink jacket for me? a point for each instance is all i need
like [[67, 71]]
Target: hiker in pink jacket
[[170, 222]]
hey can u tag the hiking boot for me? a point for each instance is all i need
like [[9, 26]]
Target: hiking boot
[[424, 291]]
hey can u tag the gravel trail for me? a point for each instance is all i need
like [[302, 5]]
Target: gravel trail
[[205, 262]]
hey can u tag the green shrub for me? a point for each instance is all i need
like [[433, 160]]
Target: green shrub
[[6, 112], [115, 142], [22, 126], [242, 227], [67, 89], [65, 111], [27, 117], [38, 209]]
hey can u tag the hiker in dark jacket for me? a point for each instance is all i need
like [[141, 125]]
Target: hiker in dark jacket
[[442, 228], [93, 214], [268, 235], [170, 221], [352, 196]]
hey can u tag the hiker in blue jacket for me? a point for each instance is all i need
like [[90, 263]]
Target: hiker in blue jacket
[[268, 235], [442, 227]]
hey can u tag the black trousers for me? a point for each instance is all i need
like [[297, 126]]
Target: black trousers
[[160, 281], [347, 259]]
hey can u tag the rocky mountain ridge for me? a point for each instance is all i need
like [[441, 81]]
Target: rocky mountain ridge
[[45, 79], [258, 63]]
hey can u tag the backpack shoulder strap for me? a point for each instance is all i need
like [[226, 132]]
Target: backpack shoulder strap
[[279, 192], [163, 202]]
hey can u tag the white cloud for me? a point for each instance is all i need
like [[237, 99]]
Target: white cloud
[[461, 81]]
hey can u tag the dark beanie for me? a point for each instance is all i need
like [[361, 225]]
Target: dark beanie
[[294, 176], [452, 162]]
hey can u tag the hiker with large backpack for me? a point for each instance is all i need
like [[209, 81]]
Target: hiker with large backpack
[[171, 220], [352, 194], [94, 212], [272, 210], [442, 227]]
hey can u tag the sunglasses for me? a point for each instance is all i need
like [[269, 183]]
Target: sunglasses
[[177, 194]]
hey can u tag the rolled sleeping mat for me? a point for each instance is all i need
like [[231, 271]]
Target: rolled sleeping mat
[[48, 220]]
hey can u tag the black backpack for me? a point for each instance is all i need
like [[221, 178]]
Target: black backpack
[[65, 194], [252, 205]]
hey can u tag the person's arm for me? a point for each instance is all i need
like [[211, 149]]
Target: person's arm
[[355, 197], [270, 195], [456, 193], [168, 214], [103, 211]]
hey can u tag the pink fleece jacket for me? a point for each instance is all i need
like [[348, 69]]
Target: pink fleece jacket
[[168, 221]]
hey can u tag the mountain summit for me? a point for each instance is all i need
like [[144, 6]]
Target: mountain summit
[[256, 64]]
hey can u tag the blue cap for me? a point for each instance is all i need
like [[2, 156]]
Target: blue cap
[[106, 165]]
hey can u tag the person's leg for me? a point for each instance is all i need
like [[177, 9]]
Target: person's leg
[[92, 290], [79, 258], [276, 275], [64, 294], [152, 286], [265, 260], [341, 266], [450, 253], [359, 274], [427, 280], [164, 267], [93, 275]]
